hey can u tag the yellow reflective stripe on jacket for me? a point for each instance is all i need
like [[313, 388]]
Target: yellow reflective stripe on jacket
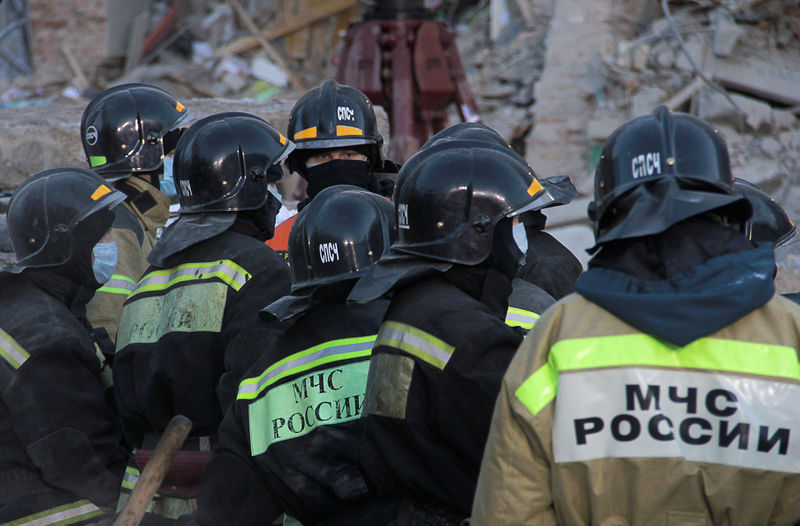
[[225, 270], [11, 351], [67, 514], [415, 342], [118, 284], [642, 350], [516, 317], [324, 353], [130, 478]]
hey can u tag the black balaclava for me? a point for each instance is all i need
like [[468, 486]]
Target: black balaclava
[[505, 256], [262, 219], [337, 171]]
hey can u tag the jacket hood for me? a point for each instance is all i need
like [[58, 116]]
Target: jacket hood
[[187, 231], [689, 305], [394, 270]]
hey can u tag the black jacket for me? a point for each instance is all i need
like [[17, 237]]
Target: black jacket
[[549, 264], [60, 445], [173, 331], [436, 369], [290, 440]]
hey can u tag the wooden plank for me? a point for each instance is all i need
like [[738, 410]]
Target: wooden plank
[[80, 79], [684, 94], [328, 9], [324, 10], [276, 57], [770, 80]]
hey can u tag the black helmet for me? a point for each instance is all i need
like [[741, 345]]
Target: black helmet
[[470, 131], [449, 200], [558, 190], [769, 222], [658, 170], [333, 116], [46, 209], [123, 129], [338, 235], [224, 162]]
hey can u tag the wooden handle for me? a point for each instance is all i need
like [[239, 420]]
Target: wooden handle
[[153, 474]]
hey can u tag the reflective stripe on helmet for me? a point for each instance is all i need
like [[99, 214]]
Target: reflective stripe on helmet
[[324, 353], [516, 317], [97, 160], [308, 133], [535, 187], [348, 130], [415, 342], [100, 192], [642, 350], [67, 514], [11, 351], [225, 270]]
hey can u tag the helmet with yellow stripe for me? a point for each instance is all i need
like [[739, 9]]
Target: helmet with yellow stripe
[[54, 211], [225, 161], [454, 202], [129, 128], [333, 116]]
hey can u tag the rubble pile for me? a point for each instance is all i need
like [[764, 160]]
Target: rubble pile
[[743, 76], [209, 52], [503, 73]]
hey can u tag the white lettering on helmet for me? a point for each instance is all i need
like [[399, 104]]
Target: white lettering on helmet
[[402, 216], [345, 114], [91, 135], [644, 165], [329, 252], [186, 187]]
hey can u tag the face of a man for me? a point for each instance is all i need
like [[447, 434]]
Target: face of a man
[[331, 155]]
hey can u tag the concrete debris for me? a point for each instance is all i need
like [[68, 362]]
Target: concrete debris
[[726, 32], [602, 126], [646, 99], [751, 53], [263, 69], [770, 146]]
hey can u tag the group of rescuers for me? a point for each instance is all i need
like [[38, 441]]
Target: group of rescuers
[[369, 364]]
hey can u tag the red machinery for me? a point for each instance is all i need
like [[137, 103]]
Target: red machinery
[[406, 62]]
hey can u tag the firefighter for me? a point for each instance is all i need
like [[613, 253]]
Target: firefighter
[[662, 392], [550, 269], [443, 345], [548, 264], [126, 131], [336, 134], [290, 440], [61, 458], [175, 324]]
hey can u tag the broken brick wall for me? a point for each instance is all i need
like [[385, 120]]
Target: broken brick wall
[[79, 25]]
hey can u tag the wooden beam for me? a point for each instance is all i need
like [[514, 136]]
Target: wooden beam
[[684, 94], [276, 57], [281, 29], [81, 82]]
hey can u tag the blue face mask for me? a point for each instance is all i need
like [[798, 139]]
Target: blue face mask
[[275, 193], [167, 182], [105, 261], [520, 237]]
